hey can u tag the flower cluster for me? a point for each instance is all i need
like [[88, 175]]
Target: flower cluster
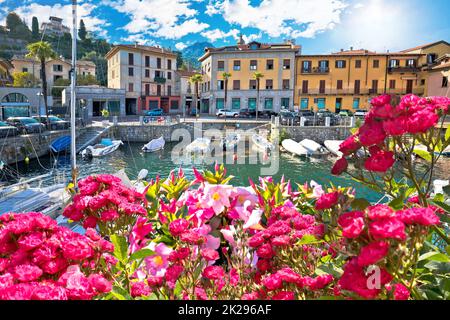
[[41, 261], [105, 202]]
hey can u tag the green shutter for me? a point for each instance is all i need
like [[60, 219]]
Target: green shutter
[[252, 103]]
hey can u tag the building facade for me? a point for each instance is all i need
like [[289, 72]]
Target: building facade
[[5, 73], [275, 61], [54, 27], [148, 76], [20, 102], [186, 89], [438, 76]]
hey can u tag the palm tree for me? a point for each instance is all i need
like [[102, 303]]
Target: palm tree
[[196, 79], [42, 51], [257, 76]]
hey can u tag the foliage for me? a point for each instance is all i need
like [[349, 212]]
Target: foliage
[[17, 28], [25, 80], [82, 30], [35, 28]]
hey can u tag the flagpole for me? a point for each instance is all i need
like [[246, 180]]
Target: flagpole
[[73, 151]]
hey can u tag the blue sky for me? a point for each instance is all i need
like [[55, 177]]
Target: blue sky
[[320, 26]]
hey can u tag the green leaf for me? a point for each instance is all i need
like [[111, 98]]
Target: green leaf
[[360, 204], [447, 190], [141, 254], [178, 289], [439, 197], [434, 256], [120, 293], [447, 249], [120, 248], [423, 154], [438, 267], [308, 239], [447, 133], [442, 205], [397, 203]]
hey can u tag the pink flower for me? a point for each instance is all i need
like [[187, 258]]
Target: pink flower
[[27, 272], [339, 167], [256, 240], [157, 264], [213, 273], [281, 241], [327, 201], [349, 146], [173, 273], [273, 282], [100, 284], [284, 295], [77, 249], [422, 120], [372, 253], [371, 133], [387, 228], [352, 224], [49, 292], [177, 227], [380, 211], [210, 254], [31, 241], [250, 296], [263, 265], [421, 216], [380, 161], [320, 282], [216, 197], [381, 101], [90, 222], [109, 215], [265, 251], [192, 237], [401, 292], [139, 289], [397, 126]]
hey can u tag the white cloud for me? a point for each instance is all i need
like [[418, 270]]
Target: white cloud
[[212, 8], [84, 11], [140, 39], [171, 19], [217, 34], [284, 17], [358, 5], [251, 37], [180, 45]]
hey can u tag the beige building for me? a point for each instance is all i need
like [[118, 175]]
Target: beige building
[[186, 90], [148, 76], [54, 27], [55, 69]]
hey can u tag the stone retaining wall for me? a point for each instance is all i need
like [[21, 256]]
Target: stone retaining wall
[[318, 134]]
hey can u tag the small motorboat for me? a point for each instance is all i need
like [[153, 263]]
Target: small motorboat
[[154, 145], [61, 144], [333, 147], [105, 147], [314, 148], [294, 147], [231, 141], [199, 145], [262, 144]]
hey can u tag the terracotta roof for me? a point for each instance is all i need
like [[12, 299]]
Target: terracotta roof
[[424, 46], [140, 48], [186, 73], [354, 52], [442, 66]]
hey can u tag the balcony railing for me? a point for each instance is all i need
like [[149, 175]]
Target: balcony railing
[[316, 70], [403, 69], [160, 80], [351, 91]]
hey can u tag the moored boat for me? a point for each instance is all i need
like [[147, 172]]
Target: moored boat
[[294, 147], [61, 144], [199, 145], [154, 145], [333, 146], [106, 147], [231, 141], [314, 148], [262, 144]]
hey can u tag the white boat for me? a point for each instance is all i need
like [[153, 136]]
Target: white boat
[[231, 141], [445, 152], [199, 145], [294, 147], [262, 144], [154, 145], [99, 150], [333, 147], [314, 148]]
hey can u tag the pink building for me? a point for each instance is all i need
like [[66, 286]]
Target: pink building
[[438, 77]]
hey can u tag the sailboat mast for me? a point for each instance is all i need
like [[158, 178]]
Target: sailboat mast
[[73, 82]]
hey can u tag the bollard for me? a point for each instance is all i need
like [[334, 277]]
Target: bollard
[[352, 122], [302, 121], [115, 120], [141, 120], [327, 121]]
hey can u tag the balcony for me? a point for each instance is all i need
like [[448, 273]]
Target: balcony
[[160, 80], [316, 70], [403, 69], [327, 91]]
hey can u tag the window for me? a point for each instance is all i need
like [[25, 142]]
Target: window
[[169, 64], [422, 82], [236, 103], [169, 90], [305, 86], [24, 69], [286, 64], [341, 64], [220, 103], [56, 78], [286, 84], [391, 84], [158, 90], [394, 63], [130, 72], [130, 87], [285, 103], [357, 86], [304, 103], [252, 85], [357, 64], [374, 86], [323, 65], [147, 73], [147, 89], [269, 84], [322, 86], [306, 66], [114, 107], [410, 63], [174, 104], [356, 103], [237, 65], [158, 63], [236, 85], [321, 102], [153, 104], [57, 68], [130, 58], [221, 65], [339, 84], [253, 64], [269, 65], [431, 58], [444, 82], [220, 84], [169, 75], [252, 103], [376, 64], [147, 61], [268, 103]]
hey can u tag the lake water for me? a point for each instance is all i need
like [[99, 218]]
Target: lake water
[[130, 157]]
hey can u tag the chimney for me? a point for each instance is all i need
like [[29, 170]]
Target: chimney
[[342, 50], [351, 48], [136, 44]]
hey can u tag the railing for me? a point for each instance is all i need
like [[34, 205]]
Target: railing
[[333, 91], [403, 69], [335, 121], [160, 80], [316, 70]]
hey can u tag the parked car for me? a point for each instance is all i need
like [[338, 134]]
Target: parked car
[[154, 112], [55, 122], [360, 113], [305, 113], [6, 130], [26, 125], [247, 113], [345, 113], [308, 115], [288, 118], [323, 114], [227, 113], [266, 114]]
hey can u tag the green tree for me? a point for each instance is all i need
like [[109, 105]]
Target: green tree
[[82, 30], [87, 80], [17, 28], [180, 60], [226, 76], [100, 64], [42, 51], [257, 76], [35, 28], [24, 80], [58, 86], [196, 79]]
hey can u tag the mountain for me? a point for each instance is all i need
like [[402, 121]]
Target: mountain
[[193, 52]]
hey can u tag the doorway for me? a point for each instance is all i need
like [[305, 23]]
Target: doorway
[[130, 106], [338, 105], [409, 86], [97, 107]]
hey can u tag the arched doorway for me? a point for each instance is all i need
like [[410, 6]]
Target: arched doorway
[[15, 105]]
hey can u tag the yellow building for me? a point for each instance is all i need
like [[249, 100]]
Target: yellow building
[[275, 61], [347, 80]]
